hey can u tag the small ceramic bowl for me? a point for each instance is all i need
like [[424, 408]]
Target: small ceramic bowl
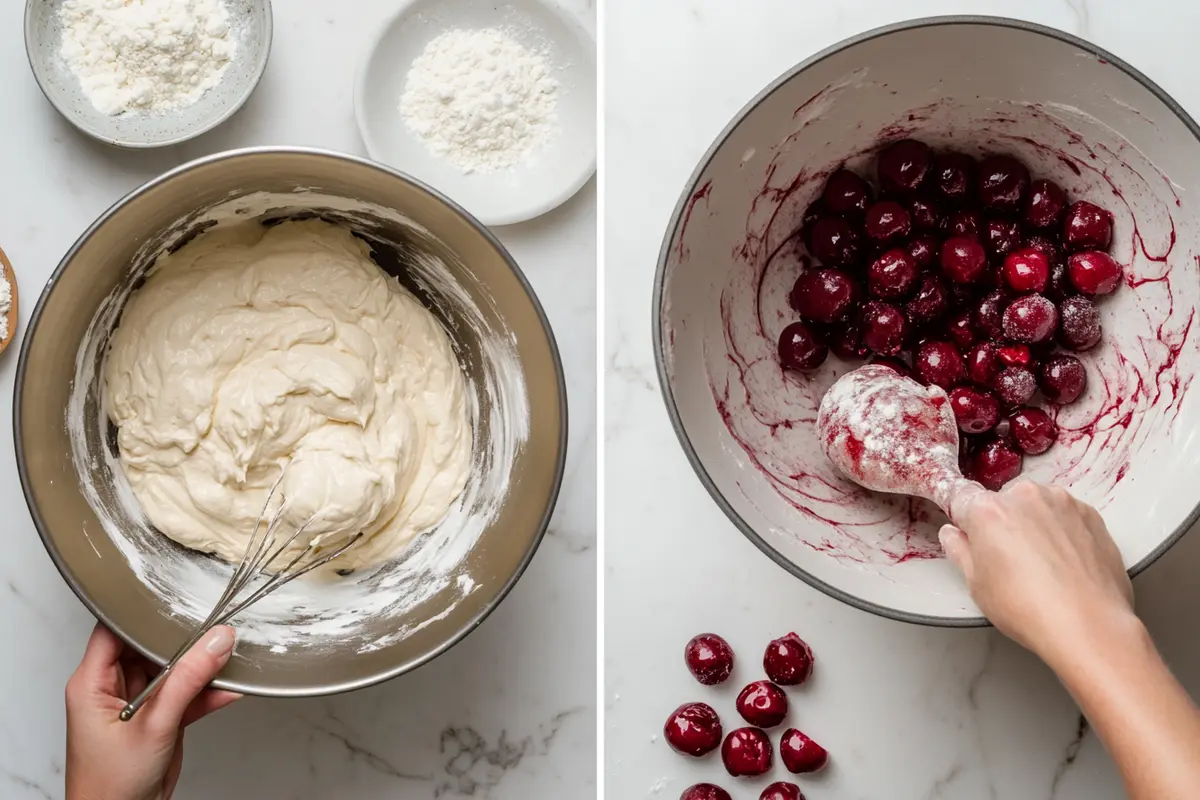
[[1074, 114], [553, 173], [250, 26]]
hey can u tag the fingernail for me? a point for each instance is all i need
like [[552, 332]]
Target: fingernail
[[220, 641]]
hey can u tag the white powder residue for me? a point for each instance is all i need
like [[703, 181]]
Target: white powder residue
[[5, 304], [148, 55], [480, 99]]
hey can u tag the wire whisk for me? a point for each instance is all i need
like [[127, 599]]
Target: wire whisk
[[261, 553]]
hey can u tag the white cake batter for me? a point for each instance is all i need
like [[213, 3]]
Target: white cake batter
[[250, 348]]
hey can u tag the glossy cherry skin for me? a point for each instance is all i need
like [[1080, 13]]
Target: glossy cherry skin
[[1087, 226], [1046, 246], [975, 410], [929, 303], [904, 166], [1015, 385], [954, 176], [883, 327], [746, 751], [762, 704], [965, 222], [926, 214], [1046, 204], [983, 365], [995, 464], [1033, 430], [887, 221], [1062, 379], [781, 790], [835, 242], [960, 329], [1027, 270], [846, 193], [1059, 286], [788, 660], [963, 259], [893, 275], [924, 249], [1015, 355], [989, 316], [846, 341], [1094, 273], [801, 754], [938, 364], [1030, 319], [1003, 183], [1001, 236], [800, 348], [704, 791], [709, 658], [693, 729], [1078, 324], [824, 295]]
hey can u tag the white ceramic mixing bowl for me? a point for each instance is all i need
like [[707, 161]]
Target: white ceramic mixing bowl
[[1072, 113]]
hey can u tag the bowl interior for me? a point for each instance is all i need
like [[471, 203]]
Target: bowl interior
[[250, 26], [1073, 115], [553, 173], [310, 636]]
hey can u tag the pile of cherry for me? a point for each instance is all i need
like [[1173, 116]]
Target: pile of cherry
[[694, 729], [964, 274]]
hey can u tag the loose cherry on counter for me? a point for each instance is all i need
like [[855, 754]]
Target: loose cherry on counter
[[847, 193], [709, 658], [781, 790], [801, 754], [788, 660], [1003, 183], [693, 729], [1094, 272], [1087, 226], [1062, 379], [1033, 430], [887, 221], [904, 166], [824, 295], [800, 348], [705, 791], [746, 752], [762, 704]]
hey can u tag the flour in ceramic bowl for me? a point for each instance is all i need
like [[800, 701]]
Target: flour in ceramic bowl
[[480, 99]]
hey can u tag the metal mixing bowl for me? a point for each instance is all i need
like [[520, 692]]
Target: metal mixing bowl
[[507, 344]]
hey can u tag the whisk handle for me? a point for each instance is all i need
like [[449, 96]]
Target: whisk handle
[[136, 703]]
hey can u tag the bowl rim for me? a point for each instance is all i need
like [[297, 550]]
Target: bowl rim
[[264, 56], [344, 686], [672, 230]]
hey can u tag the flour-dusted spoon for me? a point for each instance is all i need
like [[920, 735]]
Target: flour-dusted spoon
[[10, 316], [891, 434]]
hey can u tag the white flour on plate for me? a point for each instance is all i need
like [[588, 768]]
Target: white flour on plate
[[480, 99]]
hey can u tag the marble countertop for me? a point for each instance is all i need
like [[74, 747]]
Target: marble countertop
[[907, 712], [509, 712]]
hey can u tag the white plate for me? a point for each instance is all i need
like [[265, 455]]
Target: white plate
[[553, 173]]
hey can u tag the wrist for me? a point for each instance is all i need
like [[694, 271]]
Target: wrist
[[1089, 643]]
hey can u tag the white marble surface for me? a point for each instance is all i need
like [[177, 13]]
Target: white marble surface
[[907, 712], [508, 713]]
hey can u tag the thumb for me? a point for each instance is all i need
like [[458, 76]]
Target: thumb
[[191, 675], [958, 550]]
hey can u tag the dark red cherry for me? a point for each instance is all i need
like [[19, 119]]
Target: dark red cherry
[[846, 341], [929, 303], [835, 242], [1030, 319], [893, 275], [1001, 236], [824, 295], [847, 193], [1015, 385], [709, 658], [763, 704], [1014, 355], [926, 214], [965, 222], [963, 259], [1046, 204], [1087, 226], [982, 363], [904, 166], [1062, 379], [788, 660], [975, 410], [924, 249], [883, 327], [801, 754], [887, 221], [1078, 323], [1094, 272], [995, 464], [815, 211], [1003, 183], [989, 315], [960, 329], [939, 364], [746, 751], [704, 791], [781, 790], [954, 176], [1027, 270], [800, 348], [1033, 430], [1046, 246], [1059, 286], [693, 729]]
